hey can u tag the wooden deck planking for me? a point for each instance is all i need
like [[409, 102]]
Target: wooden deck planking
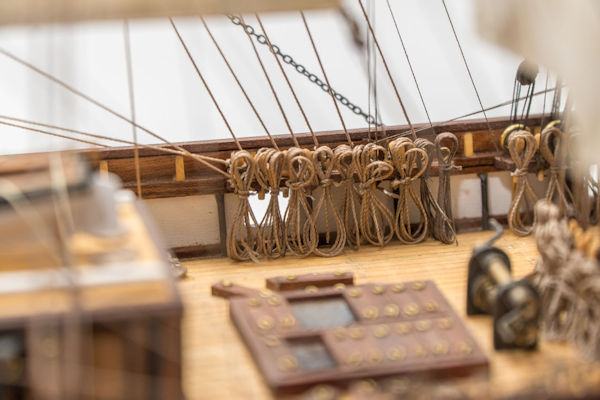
[[217, 364]]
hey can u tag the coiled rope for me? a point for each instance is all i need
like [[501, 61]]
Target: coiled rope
[[522, 148], [443, 225]]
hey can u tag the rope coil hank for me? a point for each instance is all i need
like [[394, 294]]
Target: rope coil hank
[[522, 148], [301, 232], [244, 240], [410, 163], [553, 148], [376, 220], [269, 170], [568, 281], [325, 163], [444, 228], [345, 166], [430, 203]]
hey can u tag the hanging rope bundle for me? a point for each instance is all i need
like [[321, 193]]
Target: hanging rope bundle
[[324, 160], [522, 148], [553, 147], [244, 241], [269, 169], [300, 228], [443, 224], [372, 167], [345, 166], [410, 163]]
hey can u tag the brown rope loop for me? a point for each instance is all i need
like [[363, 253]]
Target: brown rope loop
[[324, 160], [522, 148], [345, 166], [553, 147], [410, 163], [244, 240], [430, 204], [270, 164], [443, 224], [376, 220], [301, 231]]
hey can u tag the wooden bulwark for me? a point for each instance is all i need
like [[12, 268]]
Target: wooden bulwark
[[52, 11]]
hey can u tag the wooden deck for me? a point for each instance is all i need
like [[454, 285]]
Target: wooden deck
[[217, 365]]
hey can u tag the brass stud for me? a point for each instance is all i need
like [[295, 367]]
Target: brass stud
[[291, 277], [465, 348], [370, 312], [265, 322], [375, 357], [420, 351], [311, 289], [253, 302], [398, 288], [391, 310], [272, 341], [411, 309], [403, 328], [339, 286], [274, 301], [226, 283], [381, 331], [354, 292], [339, 333], [356, 332], [445, 323], [287, 321], [431, 306], [419, 285], [396, 353], [265, 293], [367, 386], [354, 358], [287, 363], [322, 392], [440, 348], [423, 325], [339, 273], [378, 289]]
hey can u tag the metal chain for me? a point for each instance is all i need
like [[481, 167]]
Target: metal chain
[[302, 70]]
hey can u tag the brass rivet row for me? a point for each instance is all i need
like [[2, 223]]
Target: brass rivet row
[[356, 332], [272, 340], [396, 353], [445, 323], [354, 358], [253, 302], [311, 289], [398, 288], [423, 325], [391, 310], [265, 322], [411, 309], [287, 321], [378, 289], [274, 301], [431, 306], [381, 331], [287, 363], [370, 312]]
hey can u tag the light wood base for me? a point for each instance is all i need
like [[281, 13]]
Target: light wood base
[[217, 365]]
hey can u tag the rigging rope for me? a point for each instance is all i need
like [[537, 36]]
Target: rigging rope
[[522, 148], [444, 229]]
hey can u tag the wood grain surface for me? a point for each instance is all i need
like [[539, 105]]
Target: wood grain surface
[[217, 364]]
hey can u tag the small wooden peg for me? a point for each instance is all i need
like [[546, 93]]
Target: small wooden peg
[[179, 169], [468, 144]]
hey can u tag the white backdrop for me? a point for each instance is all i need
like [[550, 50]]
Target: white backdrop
[[171, 100]]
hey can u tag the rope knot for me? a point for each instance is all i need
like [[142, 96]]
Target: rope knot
[[519, 172]]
